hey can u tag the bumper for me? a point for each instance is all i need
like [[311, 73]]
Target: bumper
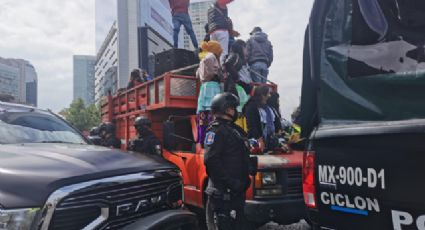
[[279, 211], [167, 220]]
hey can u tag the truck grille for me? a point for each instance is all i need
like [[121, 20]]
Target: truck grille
[[290, 181], [294, 181], [115, 205]]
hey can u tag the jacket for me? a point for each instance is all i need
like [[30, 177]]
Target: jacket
[[218, 19], [253, 119], [259, 49], [148, 144], [179, 6], [227, 157], [208, 68]]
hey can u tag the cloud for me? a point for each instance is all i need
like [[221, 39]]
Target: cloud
[[47, 33], [285, 22]]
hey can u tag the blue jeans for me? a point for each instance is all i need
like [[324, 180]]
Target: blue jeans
[[180, 19], [260, 68]]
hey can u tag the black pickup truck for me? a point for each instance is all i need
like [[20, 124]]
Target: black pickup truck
[[51, 178], [363, 112]]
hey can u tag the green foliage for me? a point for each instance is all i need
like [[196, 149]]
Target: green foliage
[[81, 116]]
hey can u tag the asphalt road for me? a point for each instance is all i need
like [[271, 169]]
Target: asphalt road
[[302, 225]]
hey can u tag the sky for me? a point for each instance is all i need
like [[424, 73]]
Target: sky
[[49, 32]]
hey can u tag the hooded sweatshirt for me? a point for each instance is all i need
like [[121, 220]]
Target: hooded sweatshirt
[[260, 49]]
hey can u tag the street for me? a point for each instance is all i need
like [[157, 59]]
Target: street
[[302, 225]]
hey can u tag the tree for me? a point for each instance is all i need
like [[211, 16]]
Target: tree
[[80, 116]]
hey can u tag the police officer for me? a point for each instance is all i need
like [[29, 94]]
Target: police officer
[[146, 141], [107, 133], [228, 165], [94, 136]]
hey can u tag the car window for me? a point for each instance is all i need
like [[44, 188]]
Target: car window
[[372, 66], [32, 127]]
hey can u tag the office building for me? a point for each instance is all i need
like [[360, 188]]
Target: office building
[[198, 11], [144, 29], [84, 78], [26, 80], [106, 69], [9, 82], [105, 16]]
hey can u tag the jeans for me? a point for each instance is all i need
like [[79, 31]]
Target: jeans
[[260, 68], [180, 19], [222, 37]]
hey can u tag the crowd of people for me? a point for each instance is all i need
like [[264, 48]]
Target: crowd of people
[[237, 112]]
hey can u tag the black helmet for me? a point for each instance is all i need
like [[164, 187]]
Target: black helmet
[[221, 102], [142, 121], [94, 131], [107, 127]]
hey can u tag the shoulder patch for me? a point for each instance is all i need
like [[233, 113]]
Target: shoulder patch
[[209, 138]]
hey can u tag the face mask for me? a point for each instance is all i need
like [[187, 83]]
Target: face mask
[[234, 117]]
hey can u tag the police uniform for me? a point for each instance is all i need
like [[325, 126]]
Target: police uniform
[[146, 141], [228, 167], [112, 142], [148, 144]]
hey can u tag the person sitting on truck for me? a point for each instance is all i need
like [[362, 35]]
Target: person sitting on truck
[[146, 141], [135, 78], [274, 104], [261, 120], [145, 76], [107, 133], [227, 164], [209, 72]]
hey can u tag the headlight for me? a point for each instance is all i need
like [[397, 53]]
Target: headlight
[[268, 178], [18, 219]]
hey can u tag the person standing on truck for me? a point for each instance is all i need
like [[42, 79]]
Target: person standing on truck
[[107, 133], [220, 26], [261, 120], [146, 141], [135, 79], [180, 16], [209, 72], [227, 164], [260, 54]]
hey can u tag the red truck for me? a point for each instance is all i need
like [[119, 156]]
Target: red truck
[[170, 101]]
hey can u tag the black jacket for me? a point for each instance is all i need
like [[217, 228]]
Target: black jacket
[[253, 120], [233, 64], [112, 142], [227, 157], [149, 144], [218, 19]]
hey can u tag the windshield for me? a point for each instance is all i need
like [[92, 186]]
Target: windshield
[[32, 127], [372, 61]]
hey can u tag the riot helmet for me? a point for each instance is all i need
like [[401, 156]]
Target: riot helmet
[[106, 128], [142, 125], [221, 102]]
